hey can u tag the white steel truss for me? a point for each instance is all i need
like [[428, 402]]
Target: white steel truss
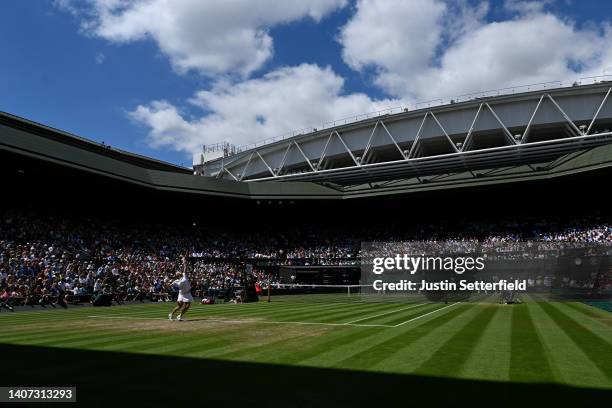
[[515, 149]]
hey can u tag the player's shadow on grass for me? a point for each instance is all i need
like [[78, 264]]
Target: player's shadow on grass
[[119, 379]]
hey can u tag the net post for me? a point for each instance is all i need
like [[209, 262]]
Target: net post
[[269, 292]]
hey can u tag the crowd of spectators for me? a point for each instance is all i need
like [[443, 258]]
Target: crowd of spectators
[[55, 261]]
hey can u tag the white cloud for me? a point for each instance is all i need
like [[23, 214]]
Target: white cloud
[[209, 36], [395, 35], [416, 49], [283, 100], [534, 46], [534, 49]]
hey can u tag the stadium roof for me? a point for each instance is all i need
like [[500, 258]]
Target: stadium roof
[[23, 138], [45, 133], [479, 133]]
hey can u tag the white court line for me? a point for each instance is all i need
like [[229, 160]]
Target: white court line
[[426, 314], [243, 321], [386, 313]]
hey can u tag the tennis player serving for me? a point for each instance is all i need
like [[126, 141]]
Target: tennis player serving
[[183, 302]]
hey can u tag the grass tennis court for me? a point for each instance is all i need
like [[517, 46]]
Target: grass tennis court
[[263, 350]]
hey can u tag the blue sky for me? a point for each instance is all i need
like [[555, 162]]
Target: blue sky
[[83, 69]]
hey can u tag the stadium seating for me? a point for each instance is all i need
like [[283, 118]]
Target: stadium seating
[[58, 260]]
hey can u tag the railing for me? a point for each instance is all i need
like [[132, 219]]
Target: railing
[[429, 104]]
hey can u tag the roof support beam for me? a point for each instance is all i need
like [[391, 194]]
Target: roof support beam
[[230, 173], [369, 143], [347, 149], [246, 167], [284, 160], [304, 156], [266, 164], [417, 137], [322, 156], [399, 149], [468, 138], [601, 105], [528, 128], [444, 131], [567, 118], [506, 131]]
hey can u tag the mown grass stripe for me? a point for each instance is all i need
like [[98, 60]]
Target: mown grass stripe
[[569, 363], [405, 316], [380, 351], [400, 317], [228, 339], [297, 313], [265, 309], [596, 326], [598, 315], [173, 346], [20, 320], [449, 359], [65, 339], [379, 314], [409, 358], [60, 313], [328, 345], [245, 351], [528, 361], [238, 310], [123, 343], [195, 349], [279, 313], [87, 340], [354, 313], [29, 333], [45, 326], [318, 345], [180, 344], [594, 347], [37, 337], [325, 313], [490, 358], [79, 315]]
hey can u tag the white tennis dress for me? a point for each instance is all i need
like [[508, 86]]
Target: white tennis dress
[[184, 290]]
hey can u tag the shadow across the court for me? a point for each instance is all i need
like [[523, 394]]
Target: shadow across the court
[[118, 379]]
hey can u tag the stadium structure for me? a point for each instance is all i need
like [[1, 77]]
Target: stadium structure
[[541, 154], [544, 152], [537, 135], [506, 136]]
